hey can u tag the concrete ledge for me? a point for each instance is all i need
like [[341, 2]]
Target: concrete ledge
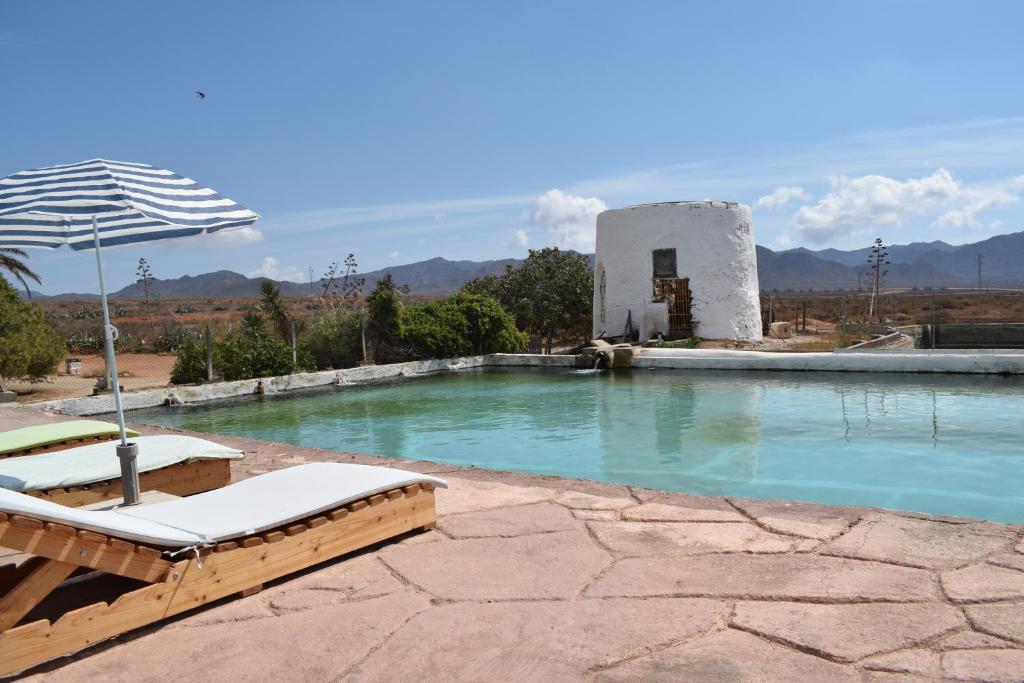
[[148, 398], [878, 361], [869, 360], [533, 360]]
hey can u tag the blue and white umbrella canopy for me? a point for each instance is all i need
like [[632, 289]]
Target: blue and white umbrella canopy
[[100, 203], [44, 208]]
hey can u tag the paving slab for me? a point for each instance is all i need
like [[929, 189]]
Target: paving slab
[[474, 495], [995, 666], [597, 515], [1008, 560], [972, 640], [767, 577], [848, 632], [358, 578], [918, 662], [578, 500], [729, 656], [889, 677], [533, 641], [546, 566], [665, 512], [520, 520], [1001, 620], [313, 645], [658, 539], [918, 542], [981, 582], [799, 519]]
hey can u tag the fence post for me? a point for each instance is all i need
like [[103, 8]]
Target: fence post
[[209, 353], [295, 353]]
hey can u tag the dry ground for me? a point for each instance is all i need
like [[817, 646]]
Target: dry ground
[[136, 370]]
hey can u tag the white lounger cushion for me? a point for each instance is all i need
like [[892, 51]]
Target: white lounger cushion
[[98, 462], [246, 507], [108, 522]]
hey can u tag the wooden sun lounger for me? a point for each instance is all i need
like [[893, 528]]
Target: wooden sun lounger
[[236, 566], [181, 479], [56, 436], [200, 466]]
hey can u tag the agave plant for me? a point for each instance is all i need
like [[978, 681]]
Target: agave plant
[[11, 261]]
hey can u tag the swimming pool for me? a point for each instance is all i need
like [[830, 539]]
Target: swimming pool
[[947, 445]]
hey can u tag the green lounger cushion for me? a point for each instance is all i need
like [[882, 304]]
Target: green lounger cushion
[[98, 461], [55, 432]]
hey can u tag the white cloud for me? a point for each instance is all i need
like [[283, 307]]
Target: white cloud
[[394, 255], [522, 238], [855, 205], [270, 268], [782, 242], [569, 219], [982, 198], [238, 237], [782, 196]]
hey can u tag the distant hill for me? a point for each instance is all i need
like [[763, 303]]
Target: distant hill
[[920, 264]]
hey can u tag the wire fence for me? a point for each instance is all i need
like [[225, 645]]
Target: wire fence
[[83, 373]]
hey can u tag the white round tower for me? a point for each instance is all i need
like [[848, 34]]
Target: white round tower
[[679, 269]]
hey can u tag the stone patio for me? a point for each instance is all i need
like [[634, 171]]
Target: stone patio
[[537, 578]]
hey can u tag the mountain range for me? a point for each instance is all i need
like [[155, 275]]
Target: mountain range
[[919, 264]]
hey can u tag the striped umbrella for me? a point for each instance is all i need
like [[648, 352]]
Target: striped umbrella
[[99, 203]]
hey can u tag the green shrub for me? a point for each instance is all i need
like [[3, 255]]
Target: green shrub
[[333, 340], [247, 353], [29, 346], [459, 325], [190, 365], [435, 329]]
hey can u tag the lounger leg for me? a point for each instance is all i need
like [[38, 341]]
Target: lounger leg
[[40, 578]]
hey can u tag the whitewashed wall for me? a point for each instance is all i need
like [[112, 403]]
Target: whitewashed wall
[[714, 246]]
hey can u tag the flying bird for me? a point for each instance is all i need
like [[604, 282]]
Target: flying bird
[[200, 95]]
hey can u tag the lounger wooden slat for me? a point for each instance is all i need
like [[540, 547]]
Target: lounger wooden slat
[[39, 580], [177, 585]]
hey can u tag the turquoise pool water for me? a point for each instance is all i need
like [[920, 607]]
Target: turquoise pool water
[[950, 445]]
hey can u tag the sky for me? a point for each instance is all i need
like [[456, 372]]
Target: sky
[[401, 131]]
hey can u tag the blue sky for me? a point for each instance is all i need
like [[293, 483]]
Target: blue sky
[[403, 131]]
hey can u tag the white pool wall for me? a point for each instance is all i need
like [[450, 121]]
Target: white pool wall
[[991, 363], [1010, 362], [714, 245]]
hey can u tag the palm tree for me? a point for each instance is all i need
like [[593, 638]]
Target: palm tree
[[10, 260]]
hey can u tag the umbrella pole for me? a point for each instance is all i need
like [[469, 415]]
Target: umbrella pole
[[127, 453]]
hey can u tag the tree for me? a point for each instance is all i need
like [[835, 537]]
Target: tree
[[144, 277], [551, 294], [273, 305], [10, 260], [29, 346], [384, 316]]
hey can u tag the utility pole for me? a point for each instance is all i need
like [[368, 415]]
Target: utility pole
[[311, 280], [878, 258], [980, 257]]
